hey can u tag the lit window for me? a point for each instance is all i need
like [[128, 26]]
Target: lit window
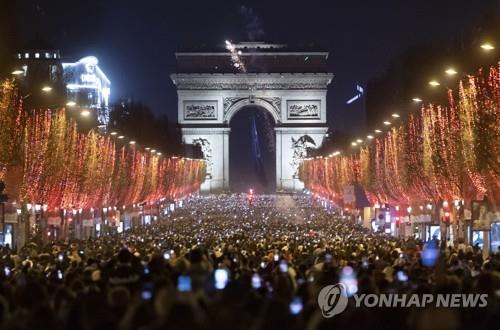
[[19, 55], [47, 55], [55, 55], [37, 55], [27, 55]]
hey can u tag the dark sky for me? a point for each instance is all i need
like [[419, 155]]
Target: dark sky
[[135, 40]]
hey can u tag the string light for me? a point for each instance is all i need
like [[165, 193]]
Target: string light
[[435, 154]]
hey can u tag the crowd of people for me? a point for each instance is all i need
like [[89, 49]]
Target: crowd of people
[[230, 262]]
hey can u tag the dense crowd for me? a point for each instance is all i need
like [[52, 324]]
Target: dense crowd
[[227, 262]]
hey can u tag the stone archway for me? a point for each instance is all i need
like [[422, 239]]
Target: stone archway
[[210, 94], [252, 149]]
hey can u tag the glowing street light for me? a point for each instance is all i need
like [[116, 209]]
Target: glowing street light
[[451, 72], [113, 133], [158, 153], [46, 89], [487, 46], [71, 103], [132, 142], [434, 83], [121, 137], [377, 131], [354, 144], [148, 148], [17, 72], [85, 113], [387, 123], [370, 137], [153, 150], [359, 140], [416, 99], [395, 115]]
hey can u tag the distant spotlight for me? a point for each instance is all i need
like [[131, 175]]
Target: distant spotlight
[[85, 113], [121, 137], [113, 133], [451, 72], [132, 142], [395, 115], [487, 46], [359, 140], [354, 144], [17, 72], [71, 103], [369, 137], [417, 99], [378, 131], [46, 89], [387, 123], [434, 83]]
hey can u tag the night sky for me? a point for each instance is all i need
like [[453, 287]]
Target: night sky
[[135, 40]]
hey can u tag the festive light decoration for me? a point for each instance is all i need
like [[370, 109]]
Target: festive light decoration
[[441, 152], [45, 160]]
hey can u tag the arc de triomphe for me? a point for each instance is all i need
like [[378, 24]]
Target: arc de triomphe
[[212, 86]]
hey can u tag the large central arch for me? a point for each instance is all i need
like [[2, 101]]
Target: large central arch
[[252, 150], [208, 100]]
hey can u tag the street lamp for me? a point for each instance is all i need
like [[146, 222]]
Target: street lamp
[[132, 142], [71, 103], [378, 131], [434, 83], [46, 89], [451, 72], [85, 113], [487, 46], [416, 99], [17, 72], [395, 115], [387, 123]]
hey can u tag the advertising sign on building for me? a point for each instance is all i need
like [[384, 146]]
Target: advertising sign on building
[[349, 196]]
